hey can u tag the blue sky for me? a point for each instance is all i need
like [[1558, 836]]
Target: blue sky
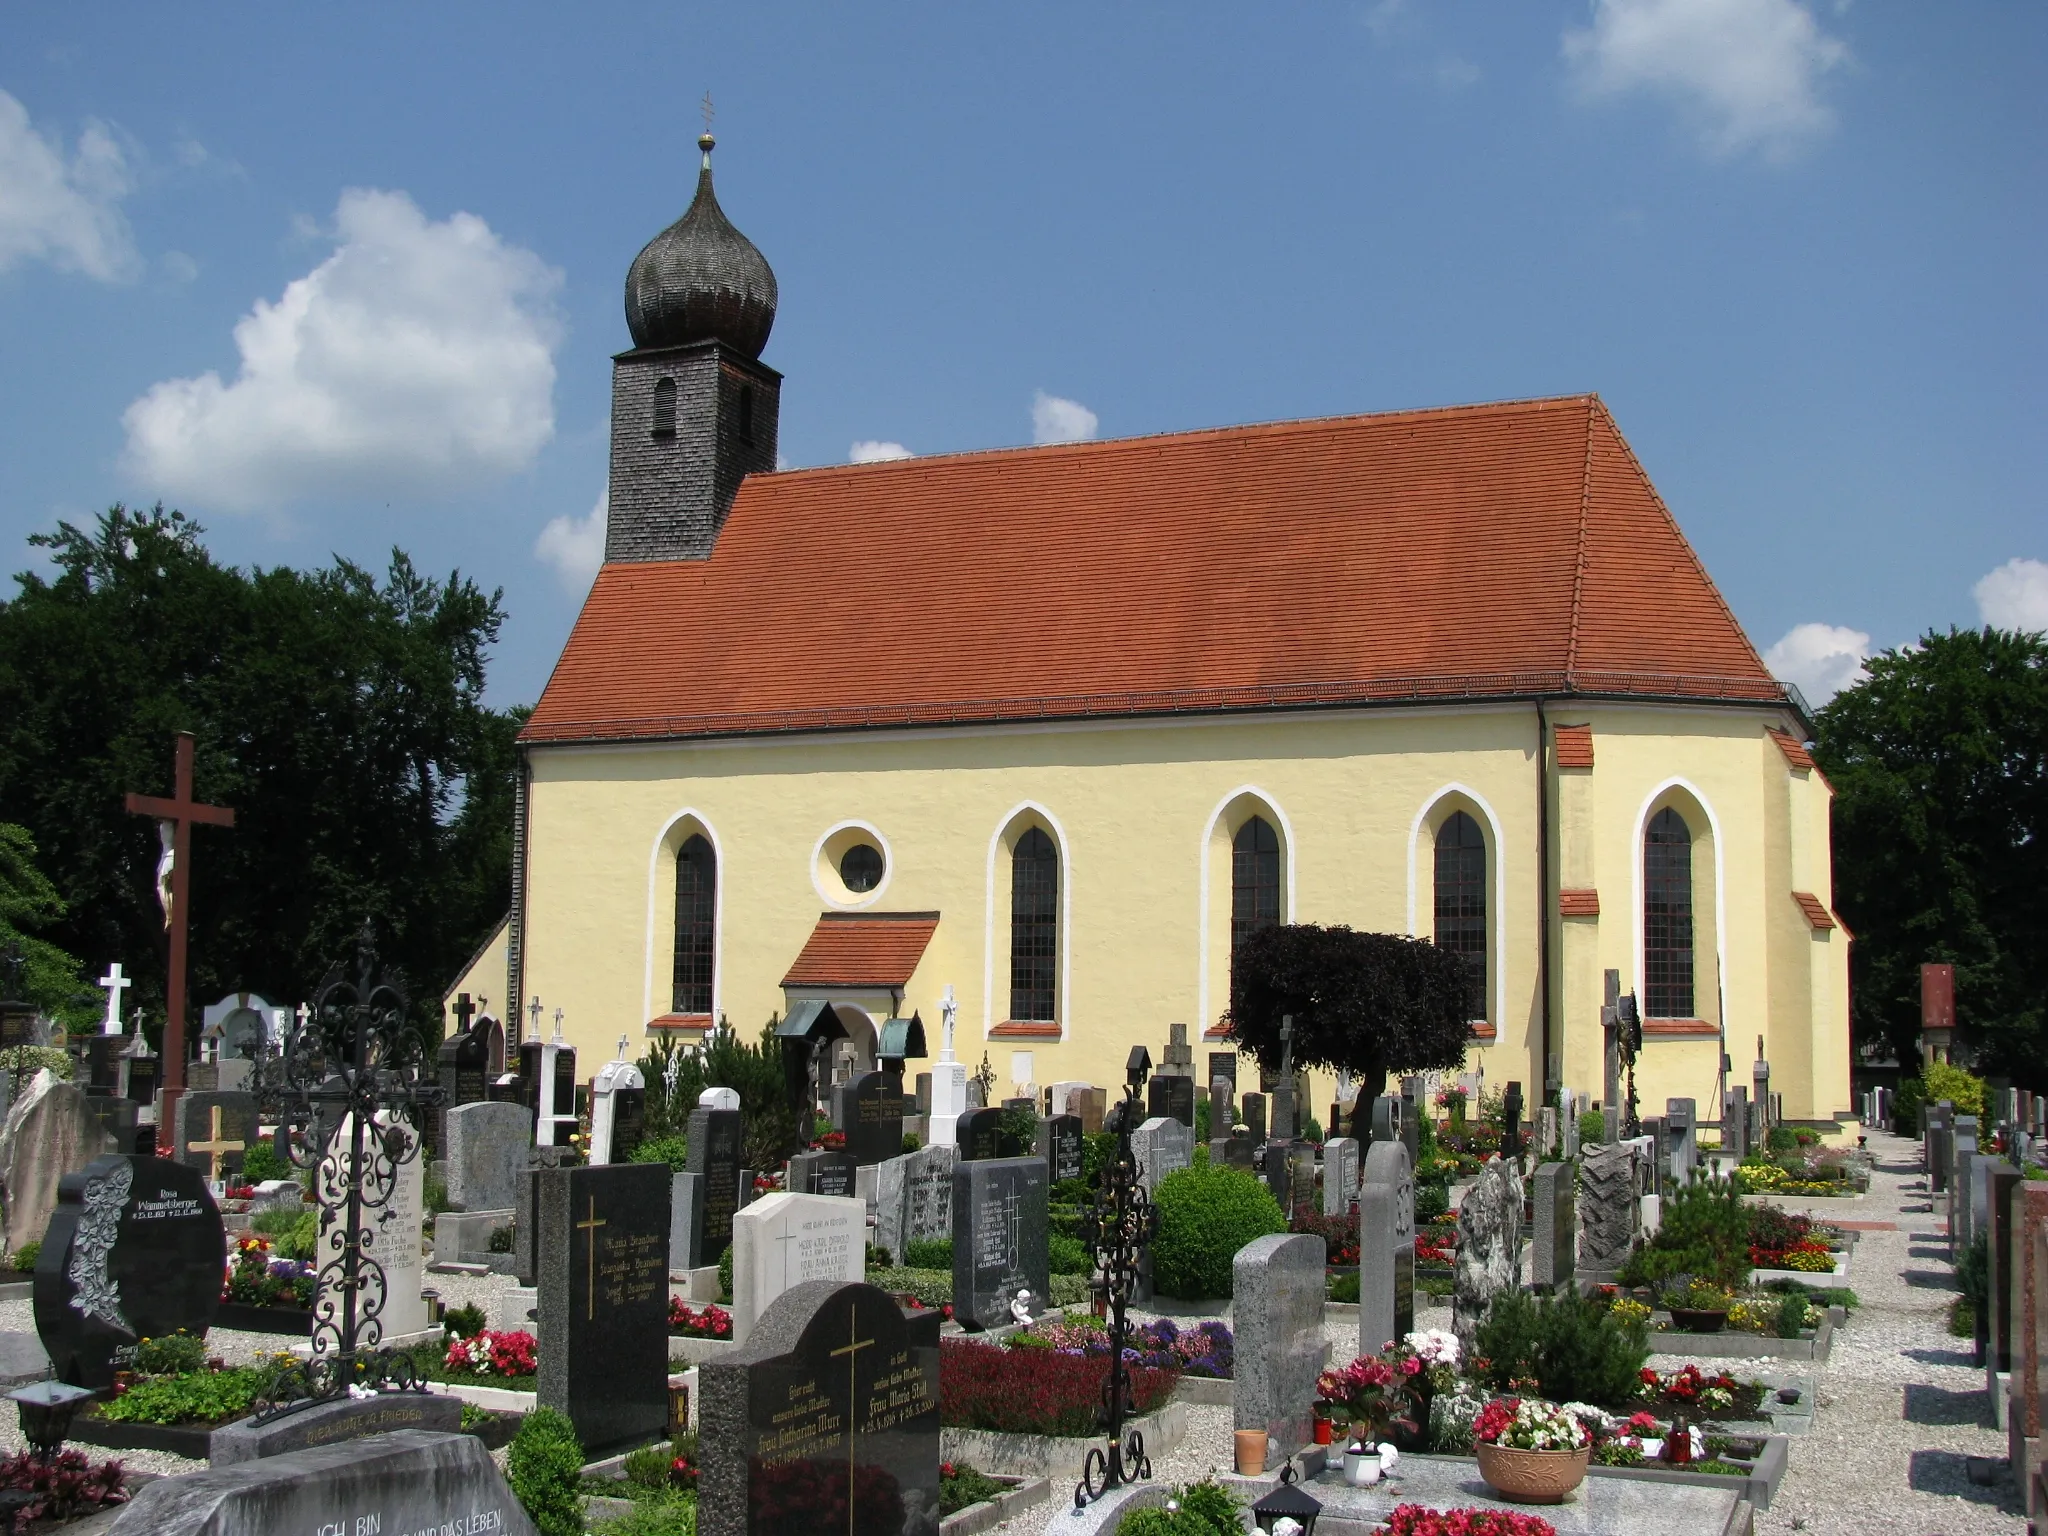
[[335, 278]]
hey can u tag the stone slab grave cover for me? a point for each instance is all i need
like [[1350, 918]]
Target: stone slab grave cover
[[486, 1151], [785, 1240], [394, 1228], [1340, 1175], [914, 1199], [1489, 1258], [133, 1252], [50, 1132], [1555, 1259], [1610, 1211], [821, 1173], [1059, 1143], [1386, 1248], [826, 1422], [870, 1111], [603, 1308], [1278, 1285], [999, 1239], [407, 1483], [347, 1418], [211, 1131]]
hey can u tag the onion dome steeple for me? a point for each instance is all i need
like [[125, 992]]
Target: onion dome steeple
[[701, 280]]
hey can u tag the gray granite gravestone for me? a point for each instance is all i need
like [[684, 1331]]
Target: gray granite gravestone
[[1735, 1123], [716, 1137], [1222, 1113], [827, 1419], [999, 1239], [133, 1252], [1962, 1147], [785, 1240], [2000, 1179], [1681, 1139], [1340, 1175], [1489, 1258], [1568, 1129], [1386, 1247], [1610, 1210], [1277, 1288], [913, 1199], [1940, 1122], [486, 1146], [347, 1418], [1059, 1143], [1161, 1145], [1546, 1131], [524, 1249], [603, 1308], [1251, 1114], [1555, 1259], [211, 1131]]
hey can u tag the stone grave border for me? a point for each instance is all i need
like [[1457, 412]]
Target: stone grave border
[[688, 1349], [1024, 1492], [1057, 1456], [1752, 1346], [240, 1317], [115, 1435]]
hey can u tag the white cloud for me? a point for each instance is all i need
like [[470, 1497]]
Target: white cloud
[[2015, 596], [1054, 420], [574, 546], [869, 451], [65, 211], [1822, 659], [179, 267], [418, 357], [1745, 71]]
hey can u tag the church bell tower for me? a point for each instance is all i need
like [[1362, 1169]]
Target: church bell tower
[[694, 410]]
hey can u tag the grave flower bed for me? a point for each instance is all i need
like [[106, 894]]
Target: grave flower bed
[[66, 1487], [1339, 1233], [1689, 1387], [1206, 1350], [256, 1277], [1034, 1391], [1420, 1520], [490, 1357], [687, 1322], [203, 1398]]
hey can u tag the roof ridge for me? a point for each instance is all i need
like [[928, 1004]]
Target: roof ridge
[[1571, 648], [1235, 429]]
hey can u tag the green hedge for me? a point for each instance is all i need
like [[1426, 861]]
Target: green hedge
[[1205, 1215]]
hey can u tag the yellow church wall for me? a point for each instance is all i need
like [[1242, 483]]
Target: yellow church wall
[[1142, 814], [485, 978]]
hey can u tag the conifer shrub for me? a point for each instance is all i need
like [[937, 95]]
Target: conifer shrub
[[1704, 1230], [545, 1467], [1207, 1213], [1570, 1346]]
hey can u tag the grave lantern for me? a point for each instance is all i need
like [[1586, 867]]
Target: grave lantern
[[47, 1408], [1287, 1503], [1138, 1067]]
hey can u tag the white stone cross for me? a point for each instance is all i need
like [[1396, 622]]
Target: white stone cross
[[115, 984], [622, 1049], [947, 1009]]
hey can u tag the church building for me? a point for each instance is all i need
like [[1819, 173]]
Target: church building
[[1450, 672]]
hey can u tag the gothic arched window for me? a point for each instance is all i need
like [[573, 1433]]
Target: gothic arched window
[[1034, 927], [1461, 900], [696, 924], [664, 408], [1254, 880], [1667, 917]]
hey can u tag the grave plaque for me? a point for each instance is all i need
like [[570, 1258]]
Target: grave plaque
[[978, 1134], [785, 1240], [714, 1157], [133, 1252], [999, 1239], [826, 1422], [1059, 1143], [1386, 1248], [1171, 1098], [870, 1110], [212, 1130], [603, 1303]]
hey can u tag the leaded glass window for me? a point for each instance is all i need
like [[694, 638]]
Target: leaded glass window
[[1667, 917], [1034, 927], [696, 924], [1461, 901], [1254, 880]]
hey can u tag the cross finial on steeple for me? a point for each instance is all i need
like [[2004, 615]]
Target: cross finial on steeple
[[708, 110], [705, 141]]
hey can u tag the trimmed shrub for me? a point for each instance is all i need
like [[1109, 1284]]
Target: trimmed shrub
[[673, 1150], [299, 1240], [24, 1259], [1033, 1391], [1704, 1230], [262, 1162], [1202, 1509], [1205, 1215], [545, 1468], [1066, 1255], [1570, 1346], [928, 1253], [1592, 1127]]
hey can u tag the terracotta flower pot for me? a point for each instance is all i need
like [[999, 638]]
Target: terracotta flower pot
[[1697, 1320], [1533, 1477], [1251, 1452]]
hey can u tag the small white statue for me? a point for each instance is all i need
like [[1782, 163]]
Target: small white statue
[[1020, 1307]]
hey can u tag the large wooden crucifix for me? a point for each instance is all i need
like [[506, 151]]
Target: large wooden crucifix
[[179, 813]]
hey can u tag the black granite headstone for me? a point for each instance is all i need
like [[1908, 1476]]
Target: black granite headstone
[[1171, 1098], [1251, 1114], [1511, 1122], [978, 1134], [1059, 1143], [870, 1111], [1239, 1152], [999, 1238], [825, 1421], [1276, 1169], [629, 1122], [102, 1060], [133, 1251], [716, 1137], [821, 1173], [464, 1064], [603, 1301]]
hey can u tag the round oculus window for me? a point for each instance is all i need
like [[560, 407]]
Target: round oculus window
[[860, 867]]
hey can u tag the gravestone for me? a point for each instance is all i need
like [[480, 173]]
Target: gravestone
[[999, 1238], [1285, 1108], [486, 1146], [467, 1062], [395, 1228], [1962, 1145], [1489, 1257], [51, 1131], [117, 1118], [785, 1240], [618, 1110], [133, 1252], [345, 1418], [870, 1111], [1555, 1260], [1610, 1125], [1511, 1123], [1161, 1146], [914, 1199], [1546, 1131], [1222, 1113], [1735, 1123], [2027, 1305], [408, 1483], [1340, 1175], [821, 1173], [716, 1137], [1251, 1114], [1934, 1152], [827, 1419], [1276, 1172], [1568, 1129], [525, 1250], [1386, 1248], [1681, 1139], [1389, 1116], [978, 1133], [211, 1131], [1059, 1143], [2000, 1179], [1610, 1210], [1277, 1286], [1172, 1097], [603, 1308]]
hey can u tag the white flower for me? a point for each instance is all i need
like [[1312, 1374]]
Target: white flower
[[1435, 1346]]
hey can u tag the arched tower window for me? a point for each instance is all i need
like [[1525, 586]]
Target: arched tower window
[[1461, 900], [1254, 880], [664, 408], [696, 924], [1034, 926], [1667, 917]]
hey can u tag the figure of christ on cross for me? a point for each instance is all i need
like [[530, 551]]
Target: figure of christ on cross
[[215, 1148], [180, 813], [851, 1349], [590, 1282]]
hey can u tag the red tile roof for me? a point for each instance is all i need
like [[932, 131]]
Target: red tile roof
[[1489, 550], [1794, 750], [1574, 746], [1818, 917], [1025, 1029], [863, 949], [1578, 903]]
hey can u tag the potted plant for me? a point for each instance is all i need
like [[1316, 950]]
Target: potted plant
[[1373, 1393], [1699, 1306], [1530, 1451]]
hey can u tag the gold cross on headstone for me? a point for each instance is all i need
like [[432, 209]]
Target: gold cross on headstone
[[590, 1282], [216, 1148], [851, 1349]]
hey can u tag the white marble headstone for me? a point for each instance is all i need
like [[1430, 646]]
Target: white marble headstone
[[719, 1098], [783, 1240]]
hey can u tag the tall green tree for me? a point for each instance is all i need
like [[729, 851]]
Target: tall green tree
[[1939, 760], [29, 903], [340, 714]]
